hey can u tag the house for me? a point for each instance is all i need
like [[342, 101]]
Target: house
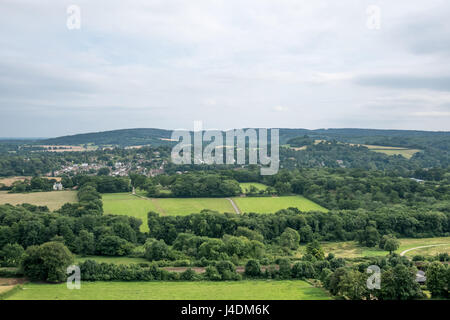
[[57, 186]]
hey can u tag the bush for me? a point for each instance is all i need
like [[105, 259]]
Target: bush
[[252, 268], [47, 262], [303, 269], [188, 275]]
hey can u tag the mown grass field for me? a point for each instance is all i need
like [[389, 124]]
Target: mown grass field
[[205, 290], [128, 204], [351, 249], [115, 260], [53, 199], [273, 204], [245, 186]]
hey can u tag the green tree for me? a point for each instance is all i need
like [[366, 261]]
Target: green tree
[[353, 285], [156, 250], [85, 243], [47, 262], [315, 249], [438, 279], [252, 268], [290, 239], [11, 255], [399, 283]]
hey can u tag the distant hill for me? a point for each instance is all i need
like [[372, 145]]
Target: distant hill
[[124, 137], [143, 136]]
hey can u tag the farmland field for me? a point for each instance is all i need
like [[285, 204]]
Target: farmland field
[[115, 260], [53, 199], [236, 290], [273, 204], [128, 204], [390, 151], [351, 249], [245, 186], [10, 180]]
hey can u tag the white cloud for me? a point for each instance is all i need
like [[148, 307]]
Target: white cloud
[[271, 63]]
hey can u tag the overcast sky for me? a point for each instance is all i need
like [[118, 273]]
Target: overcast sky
[[231, 64]]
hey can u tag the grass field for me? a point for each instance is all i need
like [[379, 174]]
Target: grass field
[[351, 249], [10, 180], [53, 200], [390, 151], [115, 260], [273, 204], [245, 186], [128, 204], [236, 290]]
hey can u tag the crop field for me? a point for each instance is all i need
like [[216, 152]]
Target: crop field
[[53, 199], [138, 206], [351, 249], [10, 180], [245, 186], [235, 290], [273, 204], [390, 151]]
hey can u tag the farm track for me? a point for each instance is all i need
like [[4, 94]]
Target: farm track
[[428, 246], [155, 202], [235, 207]]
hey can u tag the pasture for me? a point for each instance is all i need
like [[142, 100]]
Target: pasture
[[8, 181], [138, 206], [351, 249], [115, 260], [53, 199], [273, 204], [160, 290], [245, 186]]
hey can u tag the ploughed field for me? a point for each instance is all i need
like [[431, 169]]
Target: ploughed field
[[163, 290]]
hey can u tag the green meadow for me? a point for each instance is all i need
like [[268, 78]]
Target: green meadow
[[273, 204], [245, 186], [160, 290], [132, 205], [351, 249]]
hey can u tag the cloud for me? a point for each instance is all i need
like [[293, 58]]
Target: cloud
[[439, 83], [258, 63]]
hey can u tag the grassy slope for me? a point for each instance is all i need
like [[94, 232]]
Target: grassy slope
[[351, 249], [239, 290], [53, 200], [273, 204]]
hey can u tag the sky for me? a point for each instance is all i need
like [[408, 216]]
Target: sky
[[228, 63]]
